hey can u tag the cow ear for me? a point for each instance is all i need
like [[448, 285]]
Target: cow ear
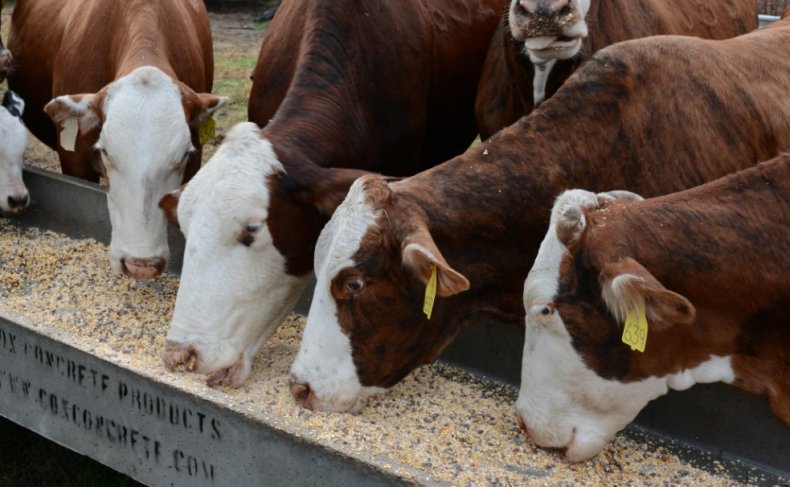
[[72, 114], [169, 205], [420, 254], [626, 284], [204, 105]]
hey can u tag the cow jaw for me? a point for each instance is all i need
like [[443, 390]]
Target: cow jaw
[[13, 142], [234, 289], [144, 143], [324, 364]]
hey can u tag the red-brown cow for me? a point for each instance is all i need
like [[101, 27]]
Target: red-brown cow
[[377, 85], [128, 80], [695, 282], [540, 43], [654, 115]]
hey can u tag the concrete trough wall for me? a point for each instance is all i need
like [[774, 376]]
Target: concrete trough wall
[[715, 418]]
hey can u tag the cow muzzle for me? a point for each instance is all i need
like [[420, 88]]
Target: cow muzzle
[[143, 268], [16, 203], [557, 20]]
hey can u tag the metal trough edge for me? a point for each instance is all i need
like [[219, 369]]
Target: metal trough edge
[[734, 427]]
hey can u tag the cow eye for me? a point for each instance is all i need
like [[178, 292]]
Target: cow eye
[[184, 160], [354, 284], [248, 234]]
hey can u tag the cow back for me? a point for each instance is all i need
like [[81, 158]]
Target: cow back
[[86, 44]]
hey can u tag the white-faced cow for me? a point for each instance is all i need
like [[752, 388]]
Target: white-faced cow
[[653, 115], [129, 81], [706, 272], [13, 142], [540, 43], [348, 85]]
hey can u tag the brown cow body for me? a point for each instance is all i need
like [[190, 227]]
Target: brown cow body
[[709, 265], [506, 87], [652, 115], [129, 85], [339, 87]]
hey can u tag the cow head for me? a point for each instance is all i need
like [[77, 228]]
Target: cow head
[[250, 229], [580, 383], [366, 329], [550, 29], [13, 142], [146, 124]]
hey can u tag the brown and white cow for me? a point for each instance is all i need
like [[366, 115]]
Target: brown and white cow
[[130, 82], [13, 142], [540, 43], [348, 85], [707, 267], [653, 115]]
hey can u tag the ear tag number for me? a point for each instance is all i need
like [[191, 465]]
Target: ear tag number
[[68, 136], [430, 293], [206, 130], [635, 330]]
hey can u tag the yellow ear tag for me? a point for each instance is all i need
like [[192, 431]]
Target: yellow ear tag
[[206, 130], [430, 293], [635, 330]]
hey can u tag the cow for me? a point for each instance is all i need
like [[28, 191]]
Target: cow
[[540, 43], [13, 142], [703, 275], [455, 242], [128, 83], [339, 87]]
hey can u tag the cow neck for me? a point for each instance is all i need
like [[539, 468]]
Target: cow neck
[[142, 43], [488, 210]]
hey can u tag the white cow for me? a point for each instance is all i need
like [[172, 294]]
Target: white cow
[[13, 142]]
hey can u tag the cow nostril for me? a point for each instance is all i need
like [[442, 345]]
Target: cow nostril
[[300, 392], [16, 202], [523, 426]]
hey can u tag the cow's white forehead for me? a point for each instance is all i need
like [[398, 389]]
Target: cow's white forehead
[[144, 112], [543, 278], [342, 236], [232, 184]]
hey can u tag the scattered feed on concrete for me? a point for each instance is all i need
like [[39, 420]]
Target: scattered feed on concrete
[[439, 425]]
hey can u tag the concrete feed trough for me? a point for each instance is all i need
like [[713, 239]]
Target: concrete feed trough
[[79, 364]]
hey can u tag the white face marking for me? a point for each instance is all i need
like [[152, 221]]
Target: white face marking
[[562, 401], [324, 361], [231, 297], [145, 141], [544, 49], [542, 72], [13, 142]]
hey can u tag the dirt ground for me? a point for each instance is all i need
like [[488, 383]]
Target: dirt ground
[[237, 40]]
